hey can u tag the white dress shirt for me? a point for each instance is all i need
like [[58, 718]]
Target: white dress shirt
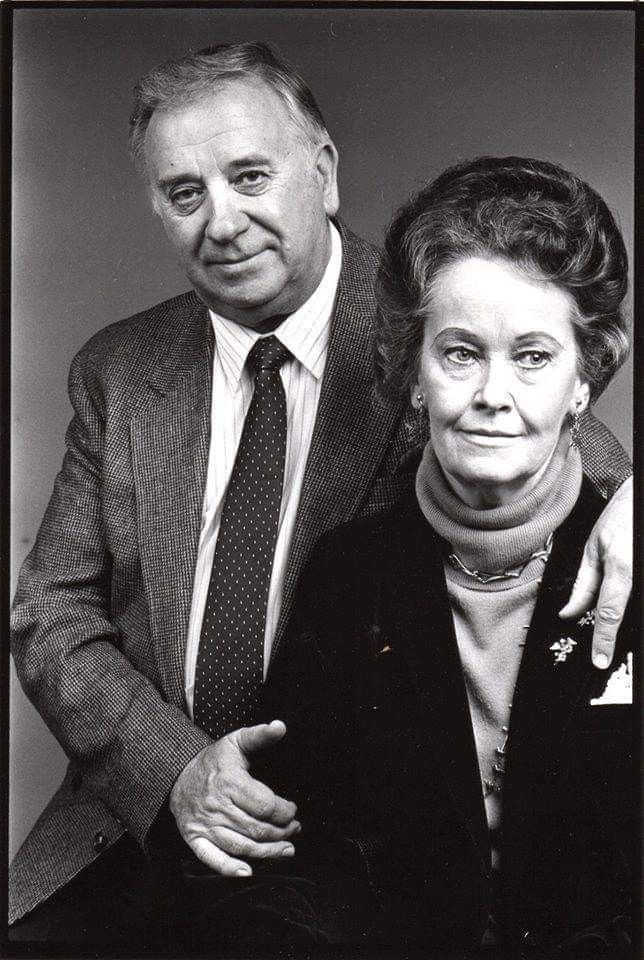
[[306, 334]]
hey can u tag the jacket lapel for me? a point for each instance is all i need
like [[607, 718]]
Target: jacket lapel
[[352, 429], [549, 690], [170, 437], [421, 619]]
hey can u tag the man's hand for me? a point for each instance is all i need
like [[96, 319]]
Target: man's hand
[[606, 569], [223, 813]]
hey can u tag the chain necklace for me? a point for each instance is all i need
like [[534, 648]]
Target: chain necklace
[[510, 572]]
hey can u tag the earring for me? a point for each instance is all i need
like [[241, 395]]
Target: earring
[[420, 400], [574, 429]]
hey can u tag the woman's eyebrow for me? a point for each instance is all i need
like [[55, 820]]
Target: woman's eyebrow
[[461, 333], [538, 335]]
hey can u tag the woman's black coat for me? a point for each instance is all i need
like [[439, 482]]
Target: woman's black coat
[[380, 749]]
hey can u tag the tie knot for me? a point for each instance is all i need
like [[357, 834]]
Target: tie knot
[[267, 354]]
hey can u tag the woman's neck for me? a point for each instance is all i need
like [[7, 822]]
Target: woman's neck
[[495, 538], [482, 496]]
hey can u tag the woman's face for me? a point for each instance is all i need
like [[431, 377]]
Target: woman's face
[[498, 371]]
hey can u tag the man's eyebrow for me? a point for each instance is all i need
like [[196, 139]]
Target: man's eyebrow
[[251, 160], [166, 183], [242, 163]]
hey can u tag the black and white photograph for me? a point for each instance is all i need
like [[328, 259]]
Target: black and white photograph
[[320, 383]]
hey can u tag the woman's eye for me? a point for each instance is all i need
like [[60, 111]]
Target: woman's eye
[[533, 359], [461, 355]]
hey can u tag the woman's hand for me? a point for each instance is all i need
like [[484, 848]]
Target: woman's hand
[[606, 573]]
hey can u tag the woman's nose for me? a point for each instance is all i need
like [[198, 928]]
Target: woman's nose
[[226, 220], [494, 390]]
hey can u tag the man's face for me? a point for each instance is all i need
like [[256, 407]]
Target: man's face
[[244, 199]]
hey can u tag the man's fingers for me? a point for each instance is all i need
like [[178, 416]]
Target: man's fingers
[[240, 821], [237, 845], [217, 860], [251, 739], [260, 802], [609, 596], [585, 588], [613, 598]]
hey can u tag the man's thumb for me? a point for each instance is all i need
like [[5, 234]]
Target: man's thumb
[[250, 739]]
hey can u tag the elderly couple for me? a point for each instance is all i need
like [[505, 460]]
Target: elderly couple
[[295, 608]]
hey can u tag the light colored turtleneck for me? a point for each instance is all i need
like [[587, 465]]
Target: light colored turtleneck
[[491, 619]]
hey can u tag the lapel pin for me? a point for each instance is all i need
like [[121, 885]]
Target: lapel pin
[[562, 648]]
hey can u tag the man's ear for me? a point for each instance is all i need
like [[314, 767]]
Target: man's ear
[[327, 167], [154, 200]]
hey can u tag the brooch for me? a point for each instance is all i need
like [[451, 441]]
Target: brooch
[[588, 619], [562, 648]]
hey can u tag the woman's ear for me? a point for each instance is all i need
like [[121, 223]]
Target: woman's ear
[[417, 396], [581, 398]]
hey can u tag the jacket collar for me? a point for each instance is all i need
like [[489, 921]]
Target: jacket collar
[[550, 691], [169, 435], [421, 620]]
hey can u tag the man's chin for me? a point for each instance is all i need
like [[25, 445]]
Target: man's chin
[[247, 308]]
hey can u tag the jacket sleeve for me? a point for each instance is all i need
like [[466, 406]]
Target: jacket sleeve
[[605, 463], [109, 717]]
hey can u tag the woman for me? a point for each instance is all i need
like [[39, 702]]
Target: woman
[[445, 724]]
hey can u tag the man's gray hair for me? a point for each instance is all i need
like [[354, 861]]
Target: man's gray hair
[[193, 76]]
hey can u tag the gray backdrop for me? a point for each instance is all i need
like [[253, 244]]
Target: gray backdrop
[[405, 92]]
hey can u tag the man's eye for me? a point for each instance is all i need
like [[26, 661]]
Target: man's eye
[[250, 179], [185, 197], [461, 355], [533, 359]]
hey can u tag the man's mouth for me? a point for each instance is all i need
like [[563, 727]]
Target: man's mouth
[[232, 261]]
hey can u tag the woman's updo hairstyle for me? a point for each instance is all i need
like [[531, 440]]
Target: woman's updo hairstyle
[[531, 213]]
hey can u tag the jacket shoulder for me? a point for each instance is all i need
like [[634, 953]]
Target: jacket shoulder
[[122, 356], [137, 335]]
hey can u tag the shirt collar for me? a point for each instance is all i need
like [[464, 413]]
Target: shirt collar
[[305, 332]]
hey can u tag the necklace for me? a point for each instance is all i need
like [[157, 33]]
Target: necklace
[[493, 783], [510, 572]]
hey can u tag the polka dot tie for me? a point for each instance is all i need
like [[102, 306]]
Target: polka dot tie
[[230, 661]]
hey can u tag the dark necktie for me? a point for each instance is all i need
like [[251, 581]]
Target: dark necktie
[[229, 669]]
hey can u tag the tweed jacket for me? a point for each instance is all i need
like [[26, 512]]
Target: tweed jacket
[[380, 748], [103, 600], [101, 612]]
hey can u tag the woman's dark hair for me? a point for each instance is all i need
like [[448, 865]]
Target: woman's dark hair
[[531, 213]]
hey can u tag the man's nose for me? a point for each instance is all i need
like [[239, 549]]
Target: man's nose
[[494, 391], [226, 220]]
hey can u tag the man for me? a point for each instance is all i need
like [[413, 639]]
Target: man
[[215, 437]]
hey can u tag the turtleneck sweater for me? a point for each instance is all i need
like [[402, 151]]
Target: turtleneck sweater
[[491, 619]]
